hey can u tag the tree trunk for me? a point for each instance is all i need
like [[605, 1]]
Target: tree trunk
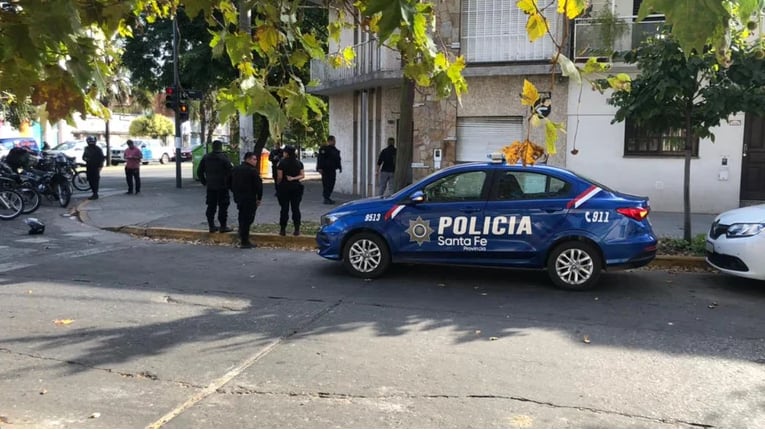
[[202, 123], [263, 134], [246, 127], [687, 178], [404, 154]]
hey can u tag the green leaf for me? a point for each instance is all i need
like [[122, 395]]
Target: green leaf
[[694, 23], [393, 13]]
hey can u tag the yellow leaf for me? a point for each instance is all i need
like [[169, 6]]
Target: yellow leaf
[[620, 82], [349, 55], [528, 6], [268, 38], [536, 27], [530, 94], [63, 322], [512, 152], [531, 152], [551, 137], [572, 8]]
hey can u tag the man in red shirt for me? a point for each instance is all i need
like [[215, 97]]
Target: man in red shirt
[[133, 167]]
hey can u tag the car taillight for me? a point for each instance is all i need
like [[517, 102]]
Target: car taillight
[[636, 213]]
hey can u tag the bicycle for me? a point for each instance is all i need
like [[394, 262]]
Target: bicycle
[[79, 178], [11, 204]]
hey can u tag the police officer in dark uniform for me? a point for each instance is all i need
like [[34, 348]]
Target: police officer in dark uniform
[[327, 163], [94, 161], [288, 177], [247, 187], [214, 171]]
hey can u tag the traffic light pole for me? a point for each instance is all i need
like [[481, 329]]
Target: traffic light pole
[[177, 85]]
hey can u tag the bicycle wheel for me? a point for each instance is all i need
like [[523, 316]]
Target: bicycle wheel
[[80, 181], [11, 204], [31, 199], [64, 192]]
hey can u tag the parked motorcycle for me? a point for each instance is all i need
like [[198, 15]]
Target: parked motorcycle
[[50, 178]]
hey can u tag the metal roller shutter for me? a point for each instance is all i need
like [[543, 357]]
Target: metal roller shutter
[[479, 136]]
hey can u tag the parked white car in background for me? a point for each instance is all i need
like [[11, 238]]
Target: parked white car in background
[[736, 242], [74, 149], [152, 150]]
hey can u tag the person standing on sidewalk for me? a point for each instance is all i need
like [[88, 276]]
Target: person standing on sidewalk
[[247, 187], [94, 162], [386, 165], [288, 178], [275, 156], [133, 167], [327, 163], [214, 172]]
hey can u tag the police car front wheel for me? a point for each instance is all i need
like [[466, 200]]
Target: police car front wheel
[[574, 265], [366, 255]]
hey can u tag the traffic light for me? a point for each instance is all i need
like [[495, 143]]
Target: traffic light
[[171, 97], [183, 111]]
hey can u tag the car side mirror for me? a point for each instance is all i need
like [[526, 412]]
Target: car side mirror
[[417, 197]]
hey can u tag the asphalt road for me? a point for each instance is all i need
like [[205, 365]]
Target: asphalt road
[[101, 330]]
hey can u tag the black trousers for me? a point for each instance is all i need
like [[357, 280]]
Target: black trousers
[[133, 176], [246, 217], [94, 178], [328, 178], [289, 198], [217, 200]]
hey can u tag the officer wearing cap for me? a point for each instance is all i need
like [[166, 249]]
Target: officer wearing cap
[[94, 161]]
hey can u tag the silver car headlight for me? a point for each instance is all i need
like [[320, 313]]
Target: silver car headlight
[[743, 230], [331, 218]]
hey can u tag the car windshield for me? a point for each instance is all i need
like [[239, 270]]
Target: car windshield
[[27, 142], [66, 145]]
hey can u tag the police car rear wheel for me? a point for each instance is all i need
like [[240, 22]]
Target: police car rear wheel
[[574, 266], [366, 255]]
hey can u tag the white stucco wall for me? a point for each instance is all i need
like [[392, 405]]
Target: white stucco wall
[[601, 157], [341, 126]]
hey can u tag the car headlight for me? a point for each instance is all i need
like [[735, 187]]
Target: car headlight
[[744, 230], [331, 218]]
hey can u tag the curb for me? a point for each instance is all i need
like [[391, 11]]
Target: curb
[[193, 235], [693, 262]]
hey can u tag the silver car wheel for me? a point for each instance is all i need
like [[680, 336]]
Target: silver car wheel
[[574, 266], [364, 255]]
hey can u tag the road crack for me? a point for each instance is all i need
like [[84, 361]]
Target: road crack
[[242, 390]]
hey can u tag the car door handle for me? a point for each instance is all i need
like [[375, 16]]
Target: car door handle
[[552, 209], [470, 209]]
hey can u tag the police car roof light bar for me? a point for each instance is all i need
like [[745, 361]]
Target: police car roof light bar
[[496, 157]]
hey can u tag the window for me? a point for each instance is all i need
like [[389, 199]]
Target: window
[[530, 186], [466, 186], [495, 31], [640, 142]]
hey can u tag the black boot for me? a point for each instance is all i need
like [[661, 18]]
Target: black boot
[[283, 231]]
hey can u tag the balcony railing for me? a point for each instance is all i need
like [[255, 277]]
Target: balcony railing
[[371, 57], [595, 38]]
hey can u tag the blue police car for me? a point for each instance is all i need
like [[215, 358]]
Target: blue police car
[[495, 214]]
